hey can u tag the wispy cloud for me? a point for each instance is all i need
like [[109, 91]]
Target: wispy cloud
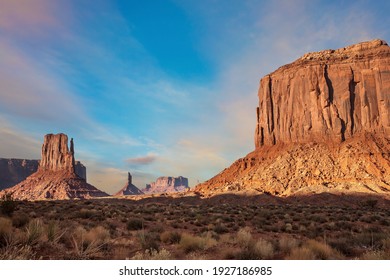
[[144, 160], [25, 16], [30, 92], [15, 143]]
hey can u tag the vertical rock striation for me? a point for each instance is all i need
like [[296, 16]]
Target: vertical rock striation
[[56, 155], [326, 96]]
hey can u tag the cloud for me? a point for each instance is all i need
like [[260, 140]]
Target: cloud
[[17, 144], [28, 91], [144, 160], [24, 16]]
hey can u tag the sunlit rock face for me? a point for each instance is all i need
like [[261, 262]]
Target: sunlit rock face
[[326, 96], [56, 177], [323, 125]]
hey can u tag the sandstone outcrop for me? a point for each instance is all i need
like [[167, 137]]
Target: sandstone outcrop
[[13, 171], [129, 188], [326, 96], [323, 125], [167, 185], [56, 177]]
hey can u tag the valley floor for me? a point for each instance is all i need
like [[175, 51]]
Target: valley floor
[[194, 228]]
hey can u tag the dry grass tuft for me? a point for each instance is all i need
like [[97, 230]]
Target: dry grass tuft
[[190, 243], [301, 253], [314, 250], [170, 237], [263, 249], [287, 244], [244, 237], [34, 232], [163, 254]]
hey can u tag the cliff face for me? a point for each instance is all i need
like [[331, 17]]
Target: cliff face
[[167, 185], [13, 171], [56, 155], [326, 96], [129, 188], [323, 125], [56, 177]]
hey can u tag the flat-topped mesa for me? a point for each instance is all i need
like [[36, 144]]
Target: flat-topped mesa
[[167, 184], [56, 156], [326, 96]]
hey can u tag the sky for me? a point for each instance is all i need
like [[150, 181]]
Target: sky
[[156, 88]]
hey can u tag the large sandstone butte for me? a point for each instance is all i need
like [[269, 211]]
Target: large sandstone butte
[[56, 177], [167, 185], [323, 125], [129, 188], [13, 171]]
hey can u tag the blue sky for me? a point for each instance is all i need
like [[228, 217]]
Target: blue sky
[[156, 87]]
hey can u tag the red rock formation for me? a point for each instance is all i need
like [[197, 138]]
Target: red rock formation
[[167, 185], [326, 96], [129, 188], [56, 177], [323, 125], [13, 171]]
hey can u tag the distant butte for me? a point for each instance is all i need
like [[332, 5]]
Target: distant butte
[[167, 185], [56, 177], [323, 125], [129, 188]]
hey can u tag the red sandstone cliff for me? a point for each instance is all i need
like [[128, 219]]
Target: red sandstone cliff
[[323, 125], [56, 177], [326, 96]]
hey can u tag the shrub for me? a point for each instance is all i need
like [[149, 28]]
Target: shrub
[[263, 249], [301, 253], [313, 249], [163, 254], [98, 235], [323, 251], [170, 237], [287, 244], [220, 228], [53, 232], [148, 240], [34, 231], [135, 224], [370, 203], [191, 243], [87, 245], [8, 204], [5, 230], [244, 237], [20, 220], [17, 253]]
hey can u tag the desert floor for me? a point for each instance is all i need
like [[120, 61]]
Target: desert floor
[[225, 227]]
